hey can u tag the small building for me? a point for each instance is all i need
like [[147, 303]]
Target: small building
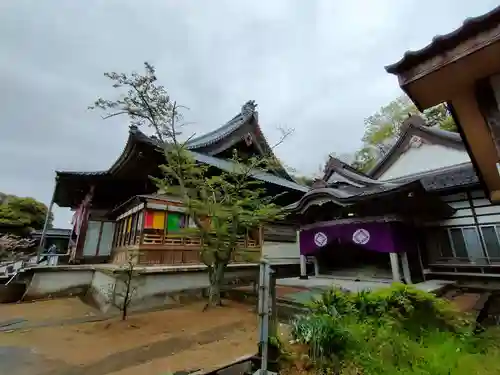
[[419, 213], [120, 209], [462, 69], [53, 236]]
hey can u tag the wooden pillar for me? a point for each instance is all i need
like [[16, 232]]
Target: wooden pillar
[[406, 268], [316, 266], [303, 267], [396, 276]]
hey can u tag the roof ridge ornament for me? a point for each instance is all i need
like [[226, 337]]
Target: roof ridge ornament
[[248, 108]]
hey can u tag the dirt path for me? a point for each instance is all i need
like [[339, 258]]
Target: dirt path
[[160, 349], [183, 338]]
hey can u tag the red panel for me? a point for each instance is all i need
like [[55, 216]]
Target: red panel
[[148, 219]]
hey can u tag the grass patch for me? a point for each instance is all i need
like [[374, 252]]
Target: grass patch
[[398, 330]]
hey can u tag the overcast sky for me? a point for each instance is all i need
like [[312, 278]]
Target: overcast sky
[[315, 66]]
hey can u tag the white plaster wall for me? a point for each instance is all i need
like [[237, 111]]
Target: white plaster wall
[[46, 283], [281, 252], [425, 158]]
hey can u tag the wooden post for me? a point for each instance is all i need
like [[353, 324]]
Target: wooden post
[[46, 224], [396, 276], [303, 267], [406, 268], [316, 266]]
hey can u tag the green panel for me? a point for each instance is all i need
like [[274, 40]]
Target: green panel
[[173, 222]]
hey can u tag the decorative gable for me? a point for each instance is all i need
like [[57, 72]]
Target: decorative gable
[[420, 149], [422, 157]]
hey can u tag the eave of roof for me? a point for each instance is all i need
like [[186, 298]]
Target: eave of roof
[[415, 126], [136, 136], [335, 165], [470, 27], [343, 197], [457, 176]]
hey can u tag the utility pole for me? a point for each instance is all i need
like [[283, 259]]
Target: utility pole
[[46, 224]]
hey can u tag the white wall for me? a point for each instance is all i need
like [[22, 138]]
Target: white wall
[[425, 158], [45, 283], [281, 252]]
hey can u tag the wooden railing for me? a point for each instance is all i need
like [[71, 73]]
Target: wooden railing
[[159, 249], [174, 240]]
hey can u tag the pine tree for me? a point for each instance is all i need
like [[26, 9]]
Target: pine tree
[[224, 206]]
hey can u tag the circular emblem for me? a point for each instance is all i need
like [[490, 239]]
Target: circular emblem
[[320, 239], [361, 236]]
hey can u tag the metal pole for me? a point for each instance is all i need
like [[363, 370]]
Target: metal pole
[[264, 313], [273, 327], [46, 224]]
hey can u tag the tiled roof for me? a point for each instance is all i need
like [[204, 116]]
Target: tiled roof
[[223, 164], [230, 166], [217, 134], [440, 43], [53, 232], [456, 176]]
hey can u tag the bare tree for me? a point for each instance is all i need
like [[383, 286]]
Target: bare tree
[[14, 248]]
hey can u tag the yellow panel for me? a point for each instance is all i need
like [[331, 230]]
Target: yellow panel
[[129, 224], [159, 220]]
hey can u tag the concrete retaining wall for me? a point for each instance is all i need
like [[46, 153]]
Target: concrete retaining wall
[[164, 287], [49, 282], [104, 286]]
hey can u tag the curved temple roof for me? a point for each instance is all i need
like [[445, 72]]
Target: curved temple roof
[[200, 149], [345, 186], [470, 27]]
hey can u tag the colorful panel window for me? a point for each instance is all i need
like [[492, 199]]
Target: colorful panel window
[[159, 220], [148, 219], [129, 224], [174, 221]]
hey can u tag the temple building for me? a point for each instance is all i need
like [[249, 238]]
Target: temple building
[[120, 209], [420, 213], [462, 69]]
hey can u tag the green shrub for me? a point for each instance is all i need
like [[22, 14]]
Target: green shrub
[[397, 330], [322, 333]]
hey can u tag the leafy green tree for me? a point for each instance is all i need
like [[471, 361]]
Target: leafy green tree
[[224, 205], [304, 180], [21, 214], [385, 124]]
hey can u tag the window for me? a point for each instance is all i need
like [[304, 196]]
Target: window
[[154, 222], [444, 243], [491, 241], [458, 242], [175, 221], [473, 245]]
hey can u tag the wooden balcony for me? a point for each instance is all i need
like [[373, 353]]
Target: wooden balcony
[[173, 249]]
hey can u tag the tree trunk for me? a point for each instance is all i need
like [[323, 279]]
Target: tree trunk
[[126, 298], [216, 276]]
